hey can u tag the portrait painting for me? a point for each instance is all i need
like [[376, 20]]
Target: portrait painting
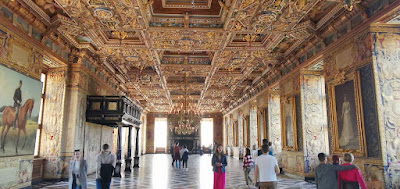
[[347, 130], [288, 122], [19, 112], [346, 116]]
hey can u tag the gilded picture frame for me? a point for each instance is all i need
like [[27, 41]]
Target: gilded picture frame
[[289, 130], [345, 104]]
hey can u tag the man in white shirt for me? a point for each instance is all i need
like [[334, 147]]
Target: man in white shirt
[[266, 169]]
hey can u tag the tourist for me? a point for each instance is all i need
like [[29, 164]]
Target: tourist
[[177, 155], [351, 178], [266, 169], [335, 160], [184, 152], [106, 162], [247, 165], [271, 150], [219, 163], [264, 142], [326, 174], [172, 154], [77, 172]]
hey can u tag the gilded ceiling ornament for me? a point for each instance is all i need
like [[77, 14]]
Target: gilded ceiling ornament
[[268, 16], [103, 13], [120, 34], [349, 4], [49, 5]]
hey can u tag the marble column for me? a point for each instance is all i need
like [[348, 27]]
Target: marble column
[[261, 126], [240, 133], [274, 122], [253, 127], [136, 158], [314, 119], [117, 170], [386, 65], [230, 139], [128, 160]]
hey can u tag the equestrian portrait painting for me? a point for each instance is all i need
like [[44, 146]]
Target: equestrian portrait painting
[[19, 112]]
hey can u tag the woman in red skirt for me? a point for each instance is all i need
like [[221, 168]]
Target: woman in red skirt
[[219, 163]]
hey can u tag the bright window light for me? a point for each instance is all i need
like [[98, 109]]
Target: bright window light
[[207, 132], [160, 133], [36, 152]]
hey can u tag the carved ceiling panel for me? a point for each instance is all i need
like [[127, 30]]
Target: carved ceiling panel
[[183, 40], [211, 52]]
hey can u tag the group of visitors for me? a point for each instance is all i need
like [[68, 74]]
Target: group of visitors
[[333, 176], [327, 176], [265, 167], [179, 155], [78, 169]]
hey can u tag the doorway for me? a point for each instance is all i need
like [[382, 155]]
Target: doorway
[[207, 132], [160, 135]]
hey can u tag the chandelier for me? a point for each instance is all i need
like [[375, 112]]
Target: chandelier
[[187, 114]]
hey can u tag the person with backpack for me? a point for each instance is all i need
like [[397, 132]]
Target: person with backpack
[[184, 156], [106, 162]]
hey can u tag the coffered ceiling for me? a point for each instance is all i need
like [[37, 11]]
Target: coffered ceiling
[[213, 51]]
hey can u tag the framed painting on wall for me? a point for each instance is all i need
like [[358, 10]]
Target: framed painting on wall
[[347, 116], [289, 132], [18, 137]]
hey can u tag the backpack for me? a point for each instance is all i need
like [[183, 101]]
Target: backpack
[[106, 171], [185, 155]]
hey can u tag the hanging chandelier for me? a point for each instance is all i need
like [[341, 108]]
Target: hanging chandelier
[[187, 113]]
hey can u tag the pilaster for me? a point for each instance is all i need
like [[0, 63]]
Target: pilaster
[[314, 119], [274, 123], [253, 126], [386, 66]]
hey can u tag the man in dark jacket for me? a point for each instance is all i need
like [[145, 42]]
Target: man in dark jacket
[[17, 102]]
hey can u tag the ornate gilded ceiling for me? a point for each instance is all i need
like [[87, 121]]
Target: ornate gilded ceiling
[[213, 51]]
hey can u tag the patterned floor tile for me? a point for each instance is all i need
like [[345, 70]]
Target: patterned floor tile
[[156, 172]]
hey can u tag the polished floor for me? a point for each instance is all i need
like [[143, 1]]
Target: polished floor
[[156, 172]]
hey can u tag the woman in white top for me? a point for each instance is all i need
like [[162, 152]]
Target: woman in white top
[[77, 172]]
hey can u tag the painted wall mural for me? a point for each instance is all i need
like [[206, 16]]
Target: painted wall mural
[[314, 119], [275, 133], [18, 128], [240, 129], [16, 172], [52, 123], [253, 126], [92, 145], [386, 58], [230, 128]]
